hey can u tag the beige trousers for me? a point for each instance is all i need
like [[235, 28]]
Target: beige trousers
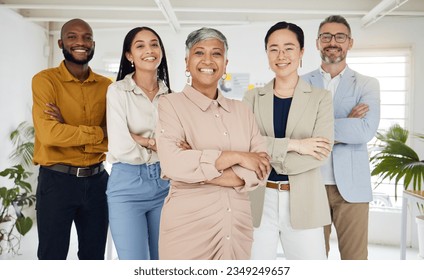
[[351, 223]]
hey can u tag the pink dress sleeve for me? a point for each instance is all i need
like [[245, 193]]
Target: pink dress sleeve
[[189, 166]]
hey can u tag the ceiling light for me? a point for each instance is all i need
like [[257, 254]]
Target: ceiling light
[[383, 8], [169, 14]]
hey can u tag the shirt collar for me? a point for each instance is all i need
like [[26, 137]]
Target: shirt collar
[[128, 84], [67, 76], [327, 76], [204, 102]]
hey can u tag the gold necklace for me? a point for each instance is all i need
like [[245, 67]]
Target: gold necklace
[[285, 96], [150, 91]]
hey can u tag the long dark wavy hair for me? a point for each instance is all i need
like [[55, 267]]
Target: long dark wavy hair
[[125, 66]]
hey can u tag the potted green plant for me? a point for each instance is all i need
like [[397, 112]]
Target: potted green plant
[[397, 161], [17, 195]]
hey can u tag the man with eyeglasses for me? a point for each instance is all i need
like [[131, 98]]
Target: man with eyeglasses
[[356, 101]]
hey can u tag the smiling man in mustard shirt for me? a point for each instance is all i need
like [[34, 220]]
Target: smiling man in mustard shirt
[[69, 114]]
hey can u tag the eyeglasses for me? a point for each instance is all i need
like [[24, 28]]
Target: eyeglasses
[[338, 37], [288, 51]]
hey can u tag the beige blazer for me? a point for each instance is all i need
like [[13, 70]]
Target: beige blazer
[[311, 115]]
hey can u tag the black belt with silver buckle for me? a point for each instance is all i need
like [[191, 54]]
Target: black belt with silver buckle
[[77, 171]]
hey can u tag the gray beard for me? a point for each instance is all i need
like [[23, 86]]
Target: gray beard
[[330, 60]]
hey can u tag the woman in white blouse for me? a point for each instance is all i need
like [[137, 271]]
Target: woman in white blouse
[[135, 190]]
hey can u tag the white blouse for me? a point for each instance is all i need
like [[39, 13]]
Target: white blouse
[[128, 109]]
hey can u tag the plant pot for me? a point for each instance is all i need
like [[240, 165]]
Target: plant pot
[[420, 227]]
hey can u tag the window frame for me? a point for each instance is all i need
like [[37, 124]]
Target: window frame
[[369, 55]]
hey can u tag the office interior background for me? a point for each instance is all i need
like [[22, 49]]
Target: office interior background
[[388, 44]]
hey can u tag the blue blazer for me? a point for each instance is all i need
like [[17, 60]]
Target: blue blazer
[[351, 135]]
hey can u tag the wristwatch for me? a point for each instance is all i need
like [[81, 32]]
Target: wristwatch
[[150, 143]]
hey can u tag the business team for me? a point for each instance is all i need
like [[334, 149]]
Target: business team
[[297, 166]]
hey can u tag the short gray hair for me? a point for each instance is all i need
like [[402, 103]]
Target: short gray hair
[[202, 34], [335, 19]]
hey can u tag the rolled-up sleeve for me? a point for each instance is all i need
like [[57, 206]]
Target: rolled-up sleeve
[[207, 164]]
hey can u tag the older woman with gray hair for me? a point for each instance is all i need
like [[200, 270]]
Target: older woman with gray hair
[[212, 151]]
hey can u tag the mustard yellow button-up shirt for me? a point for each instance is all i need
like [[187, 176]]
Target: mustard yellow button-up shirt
[[79, 141]]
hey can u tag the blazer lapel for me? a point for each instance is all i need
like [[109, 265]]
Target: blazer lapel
[[316, 79], [299, 104], [266, 107], [346, 82]]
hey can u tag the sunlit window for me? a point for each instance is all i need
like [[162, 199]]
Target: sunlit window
[[393, 70]]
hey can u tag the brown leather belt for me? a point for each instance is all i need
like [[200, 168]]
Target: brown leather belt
[[77, 171], [278, 186]]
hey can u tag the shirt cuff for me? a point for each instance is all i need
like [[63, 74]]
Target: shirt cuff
[[207, 164], [279, 153], [251, 181], [95, 133]]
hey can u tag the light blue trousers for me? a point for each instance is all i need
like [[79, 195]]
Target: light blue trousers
[[135, 195]]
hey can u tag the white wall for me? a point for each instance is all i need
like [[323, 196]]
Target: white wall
[[21, 56]]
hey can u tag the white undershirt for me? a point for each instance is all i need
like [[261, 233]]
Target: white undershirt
[[331, 85]]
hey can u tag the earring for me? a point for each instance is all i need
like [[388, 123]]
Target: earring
[[132, 64], [300, 63], [188, 75], [224, 76]]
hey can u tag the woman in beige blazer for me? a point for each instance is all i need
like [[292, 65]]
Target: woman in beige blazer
[[297, 120]]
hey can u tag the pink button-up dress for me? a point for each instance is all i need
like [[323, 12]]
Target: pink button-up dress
[[200, 220]]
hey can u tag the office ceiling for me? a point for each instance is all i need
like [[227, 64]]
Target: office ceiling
[[177, 14]]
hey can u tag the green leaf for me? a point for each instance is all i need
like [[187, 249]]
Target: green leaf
[[14, 198], [3, 191], [395, 133], [23, 225], [395, 160], [23, 154], [23, 140]]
